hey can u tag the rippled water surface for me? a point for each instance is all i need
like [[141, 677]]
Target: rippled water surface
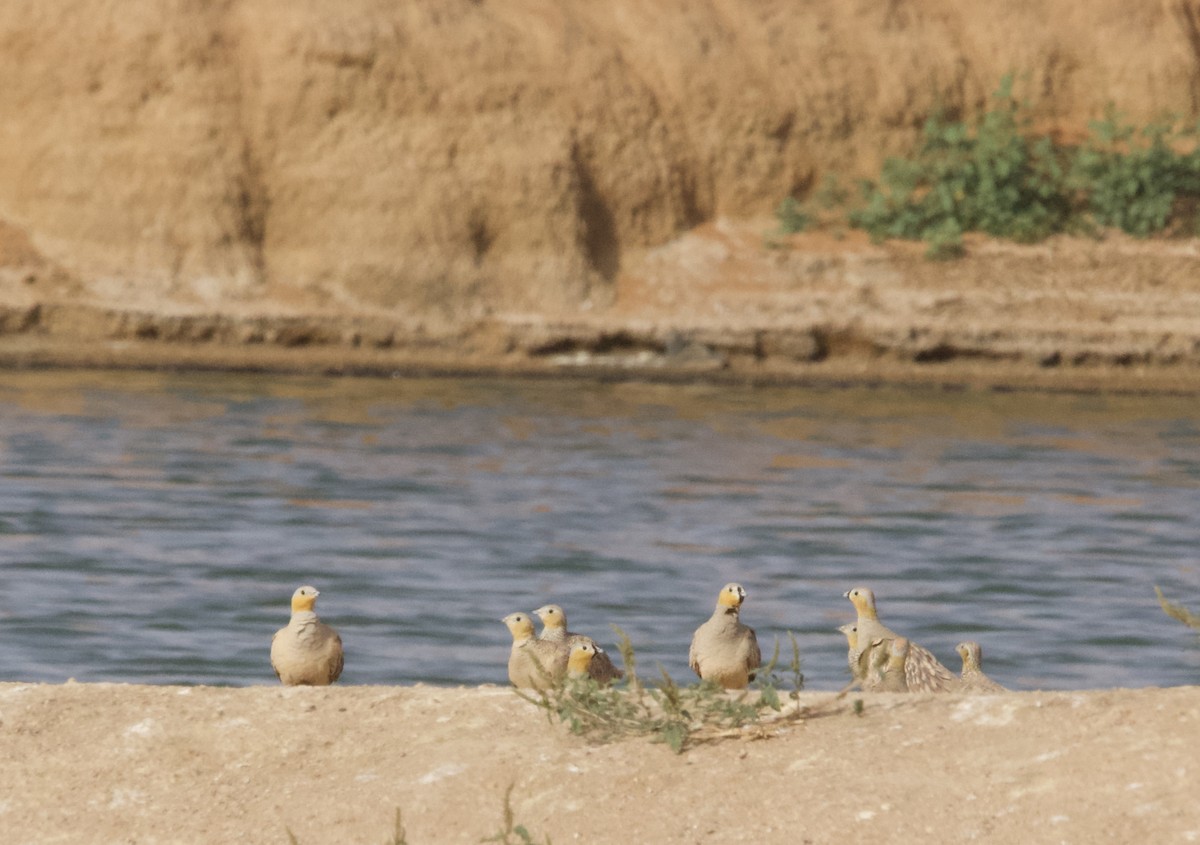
[[153, 527]]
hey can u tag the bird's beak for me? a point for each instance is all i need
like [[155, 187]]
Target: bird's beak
[[316, 593], [846, 594]]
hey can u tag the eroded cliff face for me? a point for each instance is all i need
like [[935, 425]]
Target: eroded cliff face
[[437, 163]]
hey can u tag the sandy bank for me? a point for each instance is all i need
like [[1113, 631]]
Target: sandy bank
[[558, 188], [116, 763], [724, 303]]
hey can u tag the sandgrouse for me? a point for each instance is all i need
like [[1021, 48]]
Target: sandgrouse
[[533, 663], [922, 671], [973, 679], [723, 649], [306, 652], [554, 630]]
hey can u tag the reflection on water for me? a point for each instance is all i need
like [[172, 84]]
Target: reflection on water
[[152, 527]]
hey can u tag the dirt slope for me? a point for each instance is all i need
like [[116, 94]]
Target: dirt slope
[[466, 180]]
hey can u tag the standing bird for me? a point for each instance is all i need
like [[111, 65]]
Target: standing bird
[[723, 649], [533, 663], [888, 659], [306, 652], [580, 662], [922, 671], [973, 678], [554, 630], [851, 632]]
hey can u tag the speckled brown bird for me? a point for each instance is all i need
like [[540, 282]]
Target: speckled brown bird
[[725, 650], [554, 629], [922, 671], [973, 679], [307, 652], [851, 632], [533, 663], [888, 659]]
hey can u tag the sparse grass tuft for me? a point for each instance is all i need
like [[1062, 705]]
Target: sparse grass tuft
[[1178, 611], [399, 835], [512, 833], [679, 716]]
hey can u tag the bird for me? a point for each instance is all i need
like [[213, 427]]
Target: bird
[[580, 661], [887, 661], [922, 671], [533, 663], [307, 652], [554, 629], [851, 632], [973, 679], [723, 649]]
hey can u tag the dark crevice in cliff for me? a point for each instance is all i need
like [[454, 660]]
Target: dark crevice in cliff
[[600, 242], [252, 207]]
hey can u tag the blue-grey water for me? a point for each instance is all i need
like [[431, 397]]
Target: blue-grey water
[[153, 527]]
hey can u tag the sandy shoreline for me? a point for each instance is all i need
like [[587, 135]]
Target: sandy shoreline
[[125, 763], [716, 305]]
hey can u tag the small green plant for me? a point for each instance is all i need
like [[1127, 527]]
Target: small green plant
[[831, 195], [679, 716], [996, 175], [512, 833], [992, 176], [791, 216], [1140, 181], [399, 836], [1178, 611]]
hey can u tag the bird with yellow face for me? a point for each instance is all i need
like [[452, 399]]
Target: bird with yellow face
[[724, 649], [554, 630], [973, 678], [533, 663], [922, 671], [307, 652]]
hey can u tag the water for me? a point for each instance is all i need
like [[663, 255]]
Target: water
[[153, 527]]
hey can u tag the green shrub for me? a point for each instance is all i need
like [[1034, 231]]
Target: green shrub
[[990, 177], [1138, 181], [679, 716], [792, 218], [996, 176]]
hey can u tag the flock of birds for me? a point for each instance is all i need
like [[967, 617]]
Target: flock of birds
[[724, 650]]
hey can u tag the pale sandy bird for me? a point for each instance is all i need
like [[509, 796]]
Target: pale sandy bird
[[580, 662], [851, 632], [554, 622], [306, 652], [973, 679], [922, 671], [533, 663], [723, 649], [888, 659]]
